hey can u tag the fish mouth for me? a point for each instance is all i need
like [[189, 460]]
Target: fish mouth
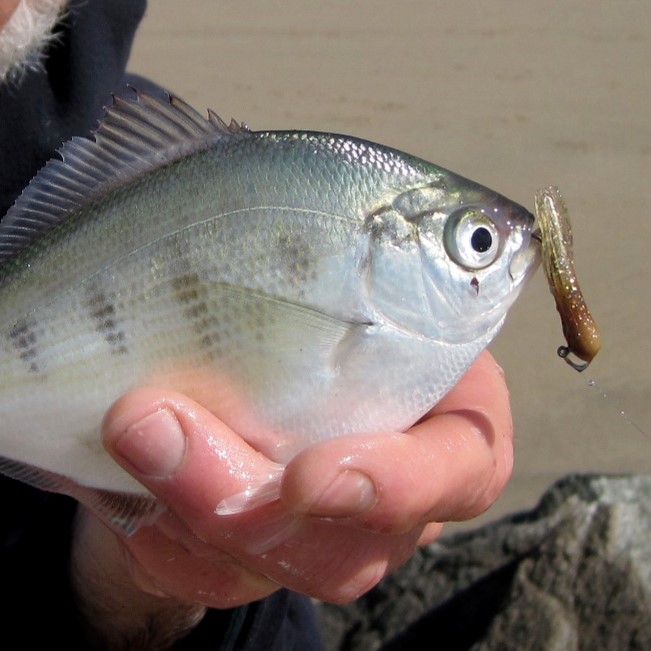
[[536, 232], [524, 240], [526, 260]]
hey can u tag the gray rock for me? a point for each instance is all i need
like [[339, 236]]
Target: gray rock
[[572, 574]]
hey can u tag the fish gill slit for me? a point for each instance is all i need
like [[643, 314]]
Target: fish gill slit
[[104, 314]]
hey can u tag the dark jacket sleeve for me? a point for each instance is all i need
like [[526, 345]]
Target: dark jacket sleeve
[[43, 109]]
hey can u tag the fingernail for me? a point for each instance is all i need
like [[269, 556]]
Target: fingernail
[[351, 493], [155, 445]]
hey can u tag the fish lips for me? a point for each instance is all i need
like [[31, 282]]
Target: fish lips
[[526, 260]]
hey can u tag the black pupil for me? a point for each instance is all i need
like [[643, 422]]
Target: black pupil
[[481, 240]]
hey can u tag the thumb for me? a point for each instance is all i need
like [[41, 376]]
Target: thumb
[[186, 457]]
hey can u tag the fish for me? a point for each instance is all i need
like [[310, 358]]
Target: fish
[[555, 233], [300, 285]]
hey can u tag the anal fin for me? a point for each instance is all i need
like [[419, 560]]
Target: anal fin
[[124, 511]]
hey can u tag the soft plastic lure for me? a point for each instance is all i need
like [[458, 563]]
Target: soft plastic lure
[[579, 328]]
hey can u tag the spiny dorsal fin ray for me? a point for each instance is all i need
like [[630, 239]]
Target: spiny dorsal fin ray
[[135, 136]]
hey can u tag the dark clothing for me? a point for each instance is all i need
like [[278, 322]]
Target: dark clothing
[[39, 606], [46, 108], [83, 66]]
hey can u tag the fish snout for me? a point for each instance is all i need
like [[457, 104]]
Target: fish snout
[[526, 259]]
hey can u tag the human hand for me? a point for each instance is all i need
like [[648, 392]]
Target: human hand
[[351, 509]]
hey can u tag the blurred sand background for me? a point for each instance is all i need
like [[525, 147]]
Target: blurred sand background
[[514, 95]]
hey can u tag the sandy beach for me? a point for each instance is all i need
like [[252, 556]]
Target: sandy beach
[[513, 95]]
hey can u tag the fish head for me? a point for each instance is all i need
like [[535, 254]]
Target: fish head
[[449, 259]]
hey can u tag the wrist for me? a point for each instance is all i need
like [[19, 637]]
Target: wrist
[[121, 607]]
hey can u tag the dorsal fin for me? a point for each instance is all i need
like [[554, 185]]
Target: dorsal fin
[[135, 135]]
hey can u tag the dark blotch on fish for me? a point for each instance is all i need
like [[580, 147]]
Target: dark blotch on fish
[[190, 293], [23, 339], [103, 312]]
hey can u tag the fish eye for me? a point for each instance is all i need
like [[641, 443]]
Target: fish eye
[[471, 239]]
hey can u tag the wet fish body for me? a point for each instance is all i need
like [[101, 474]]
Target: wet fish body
[[300, 285]]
